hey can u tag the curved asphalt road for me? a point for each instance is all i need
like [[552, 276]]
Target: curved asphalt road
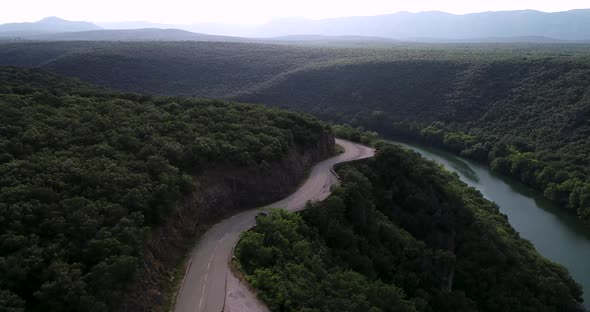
[[204, 286]]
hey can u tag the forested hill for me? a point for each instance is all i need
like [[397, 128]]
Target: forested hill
[[523, 109], [87, 175], [528, 117], [217, 69], [165, 68], [400, 234]]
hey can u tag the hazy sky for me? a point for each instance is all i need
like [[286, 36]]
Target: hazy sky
[[252, 11]]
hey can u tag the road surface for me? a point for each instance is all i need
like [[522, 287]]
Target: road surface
[[208, 279]]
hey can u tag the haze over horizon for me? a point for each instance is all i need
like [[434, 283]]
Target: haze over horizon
[[295, 155], [255, 11]]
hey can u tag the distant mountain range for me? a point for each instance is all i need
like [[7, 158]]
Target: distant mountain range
[[571, 25], [144, 34], [507, 26], [45, 26], [527, 25]]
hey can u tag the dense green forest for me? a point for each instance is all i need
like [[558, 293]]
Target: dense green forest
[[224, 69], [164, 68], [523, 109], [86, 174], [527, 118], [400, 234]]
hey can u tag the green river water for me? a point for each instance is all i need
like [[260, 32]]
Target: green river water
[[557, 234]]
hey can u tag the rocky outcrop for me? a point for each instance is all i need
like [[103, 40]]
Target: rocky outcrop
[[219, 192]]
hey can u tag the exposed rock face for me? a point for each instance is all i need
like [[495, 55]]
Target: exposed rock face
[[219, 192]]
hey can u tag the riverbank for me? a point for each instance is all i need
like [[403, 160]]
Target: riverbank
[[556, 234]]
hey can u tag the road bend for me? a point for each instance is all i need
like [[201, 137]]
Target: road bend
[[204, 287]]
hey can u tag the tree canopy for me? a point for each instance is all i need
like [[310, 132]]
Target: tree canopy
[[400, 234], [85, 175]]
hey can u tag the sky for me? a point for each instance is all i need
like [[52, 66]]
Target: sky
[[253, 11]]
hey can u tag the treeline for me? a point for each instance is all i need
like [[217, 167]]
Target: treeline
[[355, 134], [559, 181], [400, 234], [562, 178], [85, 175]]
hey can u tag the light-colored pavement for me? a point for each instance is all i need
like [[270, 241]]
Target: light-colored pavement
[[208, 279]]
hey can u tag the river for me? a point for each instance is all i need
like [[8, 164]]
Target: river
[[557, 235]]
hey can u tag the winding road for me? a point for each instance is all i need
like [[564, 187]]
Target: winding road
[[209, 285]]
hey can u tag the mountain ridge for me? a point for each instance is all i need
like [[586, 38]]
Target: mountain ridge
[[46, 25], [573, 25], [142, 34], [430, 26]]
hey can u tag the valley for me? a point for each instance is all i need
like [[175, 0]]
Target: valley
[[399, 234], [497, 105], [137, 164]]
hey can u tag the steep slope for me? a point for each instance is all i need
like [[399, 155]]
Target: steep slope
[[400, 235], [171, 68], [101, 192], [526, 116], [207, 285], [520, 108], [216, 69]]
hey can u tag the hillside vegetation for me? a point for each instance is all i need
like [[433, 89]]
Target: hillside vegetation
[[400, 234], [163, 68], [222, 69], [87, 175], [522, 109], [528, 118]]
